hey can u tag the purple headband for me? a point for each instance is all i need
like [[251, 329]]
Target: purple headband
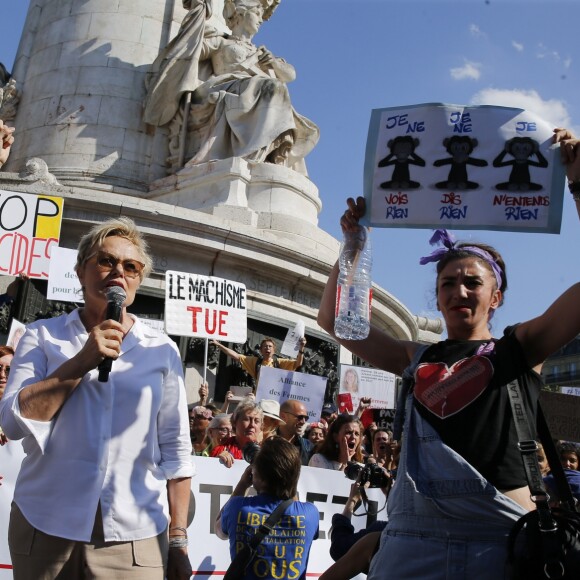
[[448, 240]]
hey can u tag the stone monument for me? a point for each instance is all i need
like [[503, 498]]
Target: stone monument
[[171, 115]]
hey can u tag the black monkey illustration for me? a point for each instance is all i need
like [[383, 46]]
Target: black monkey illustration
[[401, 156], [522, 149], [460, 149]]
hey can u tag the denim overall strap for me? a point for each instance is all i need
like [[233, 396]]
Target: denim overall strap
[[406, 386], [438, 490]]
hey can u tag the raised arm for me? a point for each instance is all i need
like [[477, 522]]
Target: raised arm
[[570, 153], [203, 394], [560, 323], [300, 356], [556, 327], [227, 400], [240, 490], [378, 349], [231, 353]]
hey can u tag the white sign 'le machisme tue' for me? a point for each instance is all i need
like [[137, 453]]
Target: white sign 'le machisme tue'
[[205, 307], [458, 167]]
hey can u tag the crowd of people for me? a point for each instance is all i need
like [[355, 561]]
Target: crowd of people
[[99, 400]]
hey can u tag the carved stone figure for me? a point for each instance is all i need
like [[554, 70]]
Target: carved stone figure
[[232, 92], [9, 95]]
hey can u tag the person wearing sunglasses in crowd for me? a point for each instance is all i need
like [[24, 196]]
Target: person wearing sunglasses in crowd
[[218, 431], [199, 420], [104, 489], [295, 416]]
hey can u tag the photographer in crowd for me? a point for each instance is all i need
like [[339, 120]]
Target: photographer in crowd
[[342, 535], [274, 474], [353, 551]]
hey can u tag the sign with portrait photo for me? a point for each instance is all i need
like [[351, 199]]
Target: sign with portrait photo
[[361, 382]]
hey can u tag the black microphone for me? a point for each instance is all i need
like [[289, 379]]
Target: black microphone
[[116, 296]]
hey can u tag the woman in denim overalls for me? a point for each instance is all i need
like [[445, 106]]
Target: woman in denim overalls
[[447, 519]]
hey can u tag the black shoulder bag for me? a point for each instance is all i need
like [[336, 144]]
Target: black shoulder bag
[[545, 543], [237, 569]]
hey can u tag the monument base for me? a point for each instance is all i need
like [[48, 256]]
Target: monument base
[[258, 194]]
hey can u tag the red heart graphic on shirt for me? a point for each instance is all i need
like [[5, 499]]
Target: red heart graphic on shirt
[[447, 390]]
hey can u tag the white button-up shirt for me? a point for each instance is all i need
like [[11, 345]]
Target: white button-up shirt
[[116, 442]]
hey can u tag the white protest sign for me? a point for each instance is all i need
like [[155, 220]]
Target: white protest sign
[[63, 282], [279, 385], [239, 392], [291, 344], [154, 323], [453, 166], [205, 307], [29, 229], [365, 382], [212, 486], [570, 391]]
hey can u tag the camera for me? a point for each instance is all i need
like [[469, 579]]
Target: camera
[[249, 451], [371, 473]]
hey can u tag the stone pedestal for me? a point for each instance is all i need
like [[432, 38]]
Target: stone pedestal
[[260, 194]]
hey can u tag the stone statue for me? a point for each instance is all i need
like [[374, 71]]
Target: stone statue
[[9, 95], [232, 92]]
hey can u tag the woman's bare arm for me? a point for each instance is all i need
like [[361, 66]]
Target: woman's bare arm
[[379, 349]]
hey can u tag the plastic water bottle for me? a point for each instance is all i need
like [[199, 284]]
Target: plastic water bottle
[[354, 288]]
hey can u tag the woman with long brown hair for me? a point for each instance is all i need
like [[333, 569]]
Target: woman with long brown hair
[[341, 444]]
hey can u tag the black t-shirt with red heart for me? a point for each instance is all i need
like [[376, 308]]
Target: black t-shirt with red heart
[[460, 389]]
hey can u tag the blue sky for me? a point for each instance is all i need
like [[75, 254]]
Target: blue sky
[[352, 56]]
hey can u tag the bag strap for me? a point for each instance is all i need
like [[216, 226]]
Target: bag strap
[[240, 562], [527, 445], [269, 524], [562, 486]]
